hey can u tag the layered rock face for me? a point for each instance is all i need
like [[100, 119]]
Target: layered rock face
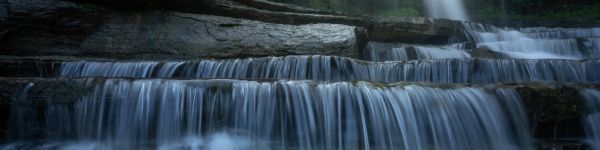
[[81, 30], [201, 74], [66, 28]]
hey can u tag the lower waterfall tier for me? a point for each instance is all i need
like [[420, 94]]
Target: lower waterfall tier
[[158, 113], [592, 119]]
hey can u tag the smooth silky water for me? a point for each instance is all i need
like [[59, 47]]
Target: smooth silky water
[[237, 114], [319, 102], [537, 43], [592, 118], [331, 68], [308, 102], [448, 9], [401, 52]]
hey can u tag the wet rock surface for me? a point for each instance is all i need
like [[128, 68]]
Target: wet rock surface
[[431, 31], [35, 94], [131, 31], [32, 27], [81, 30], [199, 36], [40, 91]]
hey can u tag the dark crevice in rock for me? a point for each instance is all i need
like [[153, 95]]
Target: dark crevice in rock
[[555, 112], [229, 25]]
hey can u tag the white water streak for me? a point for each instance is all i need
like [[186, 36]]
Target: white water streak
[[126, 114], [592, 119], [449, 9]]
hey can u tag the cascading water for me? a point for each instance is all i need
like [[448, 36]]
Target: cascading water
[[392, 52], [328, 68], [328, 112], [319, 102], [174, 114], [537, 43], [449, 9], [592, 119], [503, 43]]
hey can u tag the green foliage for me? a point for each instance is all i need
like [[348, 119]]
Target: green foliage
[[320, 4], [584, 11], [478, 9], [488, 12], [399, 12], [528, 3], [534, 10], [372, 7]]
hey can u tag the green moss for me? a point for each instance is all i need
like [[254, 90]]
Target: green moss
[[567, 12]]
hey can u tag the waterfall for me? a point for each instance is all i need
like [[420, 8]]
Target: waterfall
[[174, 114], [398, 52], [330, 68], [537, 43], [592, 119], [475, 91], [449, 9]]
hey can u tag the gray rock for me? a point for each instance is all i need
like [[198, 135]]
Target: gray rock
[[215, 37], [64, 28], [40, 27], [419, 30], [55, 27]]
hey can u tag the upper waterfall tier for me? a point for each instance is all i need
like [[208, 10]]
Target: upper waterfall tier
[[486, 41], [330, 68], [537, 43], [281, 114]]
